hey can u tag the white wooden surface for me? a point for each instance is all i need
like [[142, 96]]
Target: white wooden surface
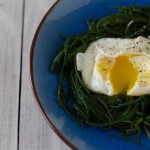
[[18, 22], [10, 50]]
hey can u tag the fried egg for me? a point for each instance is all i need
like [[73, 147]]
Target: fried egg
[[114, 66]]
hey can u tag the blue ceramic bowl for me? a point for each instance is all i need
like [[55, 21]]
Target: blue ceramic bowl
[[69, 17]]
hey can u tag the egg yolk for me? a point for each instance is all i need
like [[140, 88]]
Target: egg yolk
[[123, 75], [120, 71]]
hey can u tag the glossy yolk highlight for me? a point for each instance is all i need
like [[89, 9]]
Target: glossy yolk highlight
[[123, 75]]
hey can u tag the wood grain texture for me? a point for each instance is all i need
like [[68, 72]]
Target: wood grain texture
[[35, 134], [10, 50]]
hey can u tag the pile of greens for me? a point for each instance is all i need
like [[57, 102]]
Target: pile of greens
[[129, 114]]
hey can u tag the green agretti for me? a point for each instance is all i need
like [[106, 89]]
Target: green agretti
[[127, 113]]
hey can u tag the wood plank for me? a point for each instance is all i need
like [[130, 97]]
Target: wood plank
[[35, 134], [10, 51]]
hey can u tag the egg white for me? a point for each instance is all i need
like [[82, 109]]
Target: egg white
[[114, 47]]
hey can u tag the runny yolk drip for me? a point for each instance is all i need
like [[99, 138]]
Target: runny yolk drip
[[123, 75], [104, 66]]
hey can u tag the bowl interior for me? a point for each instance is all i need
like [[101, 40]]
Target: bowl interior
[[69, 18]]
